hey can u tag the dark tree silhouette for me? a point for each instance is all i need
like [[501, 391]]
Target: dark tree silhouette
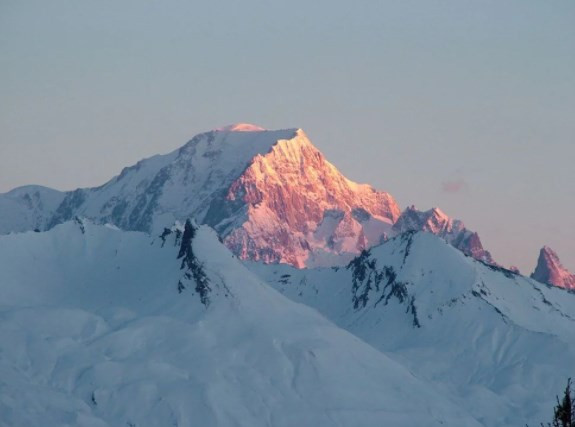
[[564, 412]]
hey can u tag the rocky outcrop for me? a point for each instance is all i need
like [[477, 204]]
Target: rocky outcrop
[[550, 270], [452, 230]]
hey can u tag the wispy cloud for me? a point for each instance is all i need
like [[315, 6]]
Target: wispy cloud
[[454, 186]]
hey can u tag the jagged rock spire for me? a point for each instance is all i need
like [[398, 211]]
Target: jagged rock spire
[[550, 270]]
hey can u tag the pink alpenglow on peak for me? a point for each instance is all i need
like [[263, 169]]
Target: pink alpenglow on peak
[[241, 127], [271, 196], [300, 210], [550, 270]]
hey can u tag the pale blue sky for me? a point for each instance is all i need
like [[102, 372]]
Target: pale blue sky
[[466, 105]]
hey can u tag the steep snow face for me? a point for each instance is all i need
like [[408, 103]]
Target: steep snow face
[[271, 195], [106, 327], [185, 183], [28, 208], [550, 270], [452, 230], [299, 207], [502, 343]]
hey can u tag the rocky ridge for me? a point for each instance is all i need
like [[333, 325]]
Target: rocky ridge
[[451, 230]]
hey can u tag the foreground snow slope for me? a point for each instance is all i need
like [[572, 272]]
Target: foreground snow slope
[[105, 327], [502, 343]]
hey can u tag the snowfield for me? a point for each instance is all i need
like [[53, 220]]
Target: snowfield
[[502, 344], [102, 327]]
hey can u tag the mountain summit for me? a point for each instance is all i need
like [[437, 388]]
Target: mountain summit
[[270, 194], [241, 127], [550, 270]]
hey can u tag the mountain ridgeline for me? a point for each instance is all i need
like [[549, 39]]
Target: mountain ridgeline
[[270, 195], [497, 340], [117, 328], [242, 280]]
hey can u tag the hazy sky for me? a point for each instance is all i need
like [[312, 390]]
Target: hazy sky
[[466, 105]]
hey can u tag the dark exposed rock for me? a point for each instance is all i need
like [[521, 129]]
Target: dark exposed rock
[[195, 271], [370, 281], [68, 208]]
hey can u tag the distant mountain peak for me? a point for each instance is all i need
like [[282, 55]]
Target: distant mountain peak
[[433, 220], [438, 212], [550, 270], [453, 231]]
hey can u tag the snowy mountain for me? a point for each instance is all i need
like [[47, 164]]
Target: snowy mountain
[[28, 208], [107, 327], [502, 343], [550, 270], [451, 230], [271, 195], [125, 319]]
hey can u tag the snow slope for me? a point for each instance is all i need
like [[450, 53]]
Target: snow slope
[[185, 183], [502, 343], [105, 327]]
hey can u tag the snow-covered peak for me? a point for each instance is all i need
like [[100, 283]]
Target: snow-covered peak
[[270, 194], [550, 270], [103, 327], [439, 213], [28, 208], [241, 127], [28, 189], [502, 342], [301, 210], [435, 221]]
